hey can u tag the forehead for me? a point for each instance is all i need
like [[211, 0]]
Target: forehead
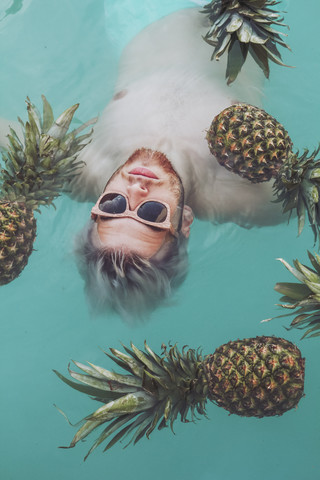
[[129, 235]]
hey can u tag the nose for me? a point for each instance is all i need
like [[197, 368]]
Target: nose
[[137, 191]]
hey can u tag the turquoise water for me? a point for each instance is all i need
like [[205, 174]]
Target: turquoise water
[[69, 51]]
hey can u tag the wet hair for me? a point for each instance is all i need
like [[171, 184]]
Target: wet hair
[[126, 283]]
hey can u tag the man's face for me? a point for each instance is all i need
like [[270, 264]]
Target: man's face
[[140, 179]]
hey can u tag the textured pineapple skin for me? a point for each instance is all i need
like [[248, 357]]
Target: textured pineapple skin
[[248, 141], [17, 234], [256, 377]]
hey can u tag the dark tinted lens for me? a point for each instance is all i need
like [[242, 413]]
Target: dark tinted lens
[[113, 203], [153, 212]]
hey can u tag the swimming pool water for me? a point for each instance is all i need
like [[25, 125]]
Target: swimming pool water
[[69, 52]]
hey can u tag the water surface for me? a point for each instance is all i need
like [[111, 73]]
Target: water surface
[[69, 52]]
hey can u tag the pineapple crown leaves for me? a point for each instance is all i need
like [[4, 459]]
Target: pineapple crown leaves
[[38, 167], [297, 186], [156, 390], [303, 298], [242, 27]]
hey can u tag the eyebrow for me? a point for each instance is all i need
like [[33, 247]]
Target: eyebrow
[[155, 229]]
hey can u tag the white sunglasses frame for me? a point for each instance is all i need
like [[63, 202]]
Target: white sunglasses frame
[[166, 225]]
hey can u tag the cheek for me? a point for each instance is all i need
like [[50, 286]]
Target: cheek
[[175, 189], [115, 183]]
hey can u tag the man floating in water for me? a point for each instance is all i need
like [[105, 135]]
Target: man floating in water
[[149, 146], [150, 167]]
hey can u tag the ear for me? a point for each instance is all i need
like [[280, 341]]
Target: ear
[[187, 219]]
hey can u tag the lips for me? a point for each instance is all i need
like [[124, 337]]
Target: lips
[[144, 172]]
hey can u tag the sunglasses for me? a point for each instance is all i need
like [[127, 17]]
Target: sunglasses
[[151, 212]]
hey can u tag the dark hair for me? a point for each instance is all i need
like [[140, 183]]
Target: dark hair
[[127, 283]]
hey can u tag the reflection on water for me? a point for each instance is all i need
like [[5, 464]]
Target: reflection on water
[[15, 7]]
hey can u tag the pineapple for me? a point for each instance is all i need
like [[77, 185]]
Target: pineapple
[[248, 141], [302, 299], [35, 171], [254, 377], [17, 234], [242, 27]]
